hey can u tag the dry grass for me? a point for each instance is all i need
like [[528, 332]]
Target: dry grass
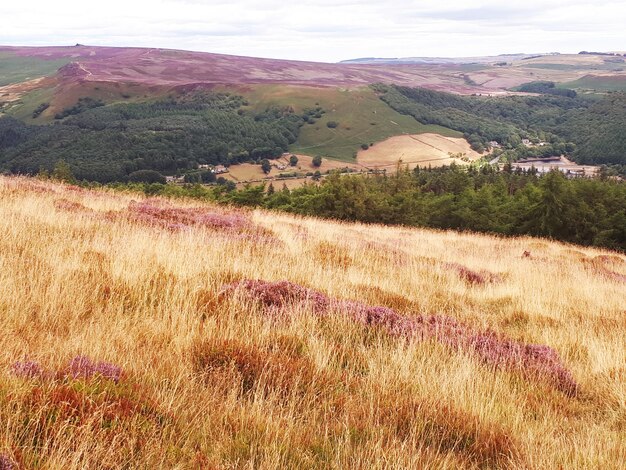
[[94, 280], [416, 150]]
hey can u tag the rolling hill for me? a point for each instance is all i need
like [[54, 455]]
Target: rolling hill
[[333, 110], [123, 73], [150, 333]]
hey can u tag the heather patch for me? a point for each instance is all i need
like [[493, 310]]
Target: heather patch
[[473, 277], [71, 206], [83, 398], [495, 350], [610, 259], [79, 367], [84, 367], [19, 184], [27, 369], [54, 413], [6, 463], [613, 275], [275, 296], [176, 218]]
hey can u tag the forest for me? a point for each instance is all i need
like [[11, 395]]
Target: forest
[[175, 135], [583, 211], [108, 143], [588, 129]]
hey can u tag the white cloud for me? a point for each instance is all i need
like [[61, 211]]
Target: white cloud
[[324, 29]]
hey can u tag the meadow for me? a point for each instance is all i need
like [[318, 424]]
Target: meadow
[[152, 333]]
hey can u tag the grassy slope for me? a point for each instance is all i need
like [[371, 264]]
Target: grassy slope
[[355, 110], [597, 83], [28, 102], [80, 275], [14, 69], [63, 97]]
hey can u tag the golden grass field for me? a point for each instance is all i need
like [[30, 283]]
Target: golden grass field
[[120, 348], [416, 150]]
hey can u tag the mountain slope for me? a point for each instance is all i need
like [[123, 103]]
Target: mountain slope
[[130, 334], [164, 67]]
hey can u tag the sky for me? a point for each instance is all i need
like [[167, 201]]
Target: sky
[[322, 30]]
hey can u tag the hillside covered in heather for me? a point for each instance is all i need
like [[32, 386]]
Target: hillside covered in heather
[[112, 112], [154, 333]]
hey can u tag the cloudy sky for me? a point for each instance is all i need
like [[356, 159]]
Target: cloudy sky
[[322, 30]]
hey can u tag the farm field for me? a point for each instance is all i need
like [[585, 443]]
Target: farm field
[[156, 333], [602, 83], [251, 172], [416, 150]]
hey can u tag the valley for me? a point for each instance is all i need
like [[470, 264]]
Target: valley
[[341, 103]]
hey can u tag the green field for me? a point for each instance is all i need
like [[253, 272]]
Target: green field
[[598, 83], [14, 69], [607, 66], [24, 107], [361, 116]]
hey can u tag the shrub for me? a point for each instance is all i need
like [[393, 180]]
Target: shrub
[[317, 161], [37, 112], [332, 124], [473, 277], [6, 463], [63, 172], [192, 178], [27, 370], [256, 369], [293, 160], [207, 177], [365, 146], [146, 176]]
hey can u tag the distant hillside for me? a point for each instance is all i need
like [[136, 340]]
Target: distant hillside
[[114, 107], [164, 67], [443, 60]]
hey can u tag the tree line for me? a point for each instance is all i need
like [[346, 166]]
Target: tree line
[[583, 211]]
